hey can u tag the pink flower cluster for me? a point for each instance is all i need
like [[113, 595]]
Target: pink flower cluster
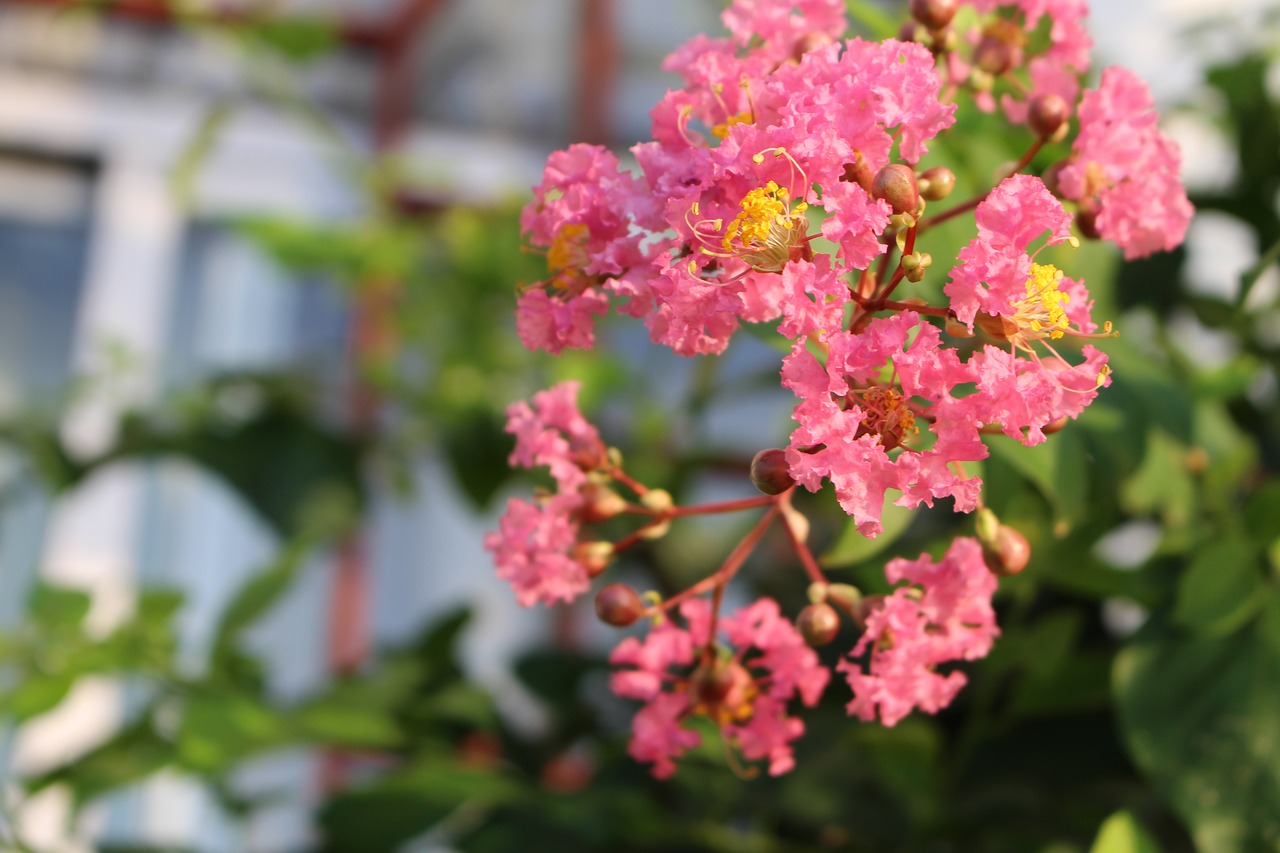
[[784, 183], [941, 613], [533, 546], [1124, 171], [743, 687]]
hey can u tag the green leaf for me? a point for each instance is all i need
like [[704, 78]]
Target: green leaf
[[37, 693], [1198, 714], [347, 723], [386, 815], [129, 756], [54, 608], [854, 547], [220, 729], [1222, 588], [1122, 833], [254, 599], [1161, 484], [1057, 468]]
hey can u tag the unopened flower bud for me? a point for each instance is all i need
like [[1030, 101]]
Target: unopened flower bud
[[657, 499], [956, 329], [1055, 425], [1047, 115], [593, 556], [845, 596], [720, 686], [1087, 219], [770, 472], [601, 504], [858, 171], [986, 523], [896, 184], [1000, 48], [1051, 177], [618, 605], [1009, 553], [934, 14], [818, 624], [937, 183]]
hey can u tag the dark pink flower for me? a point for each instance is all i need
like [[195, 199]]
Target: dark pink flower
[[744, 688], [586, 214], [533, 545], [861, 433]]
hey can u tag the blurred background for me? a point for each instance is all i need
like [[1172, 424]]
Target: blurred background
[[258, 273]]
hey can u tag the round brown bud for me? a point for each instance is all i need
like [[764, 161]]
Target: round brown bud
[[770, 472], [618, 605], [896, 184], [818, 624], [1051, 177], [1047, 114], [858, 171], [1087, 218], [845, 596], [1055, 425], [721, 687], [1008, 553], [593, 556], [993, 55], [602, 503], [934, 14], [937, 183]]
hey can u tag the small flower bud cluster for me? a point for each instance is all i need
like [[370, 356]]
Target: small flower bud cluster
[[748, 165]]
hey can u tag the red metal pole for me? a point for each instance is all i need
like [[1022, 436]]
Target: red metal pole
[[597, 71]]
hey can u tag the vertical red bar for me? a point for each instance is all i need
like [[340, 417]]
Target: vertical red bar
[[598, 52]]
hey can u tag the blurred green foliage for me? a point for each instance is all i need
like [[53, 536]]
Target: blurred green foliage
[[1079, 733]]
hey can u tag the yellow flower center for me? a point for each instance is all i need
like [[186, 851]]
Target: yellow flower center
[[767, 229], [720, 131], [1041, 313], [568, 249]]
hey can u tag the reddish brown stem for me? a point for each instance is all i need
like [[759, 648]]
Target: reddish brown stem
[[802, 548], [871, 306], [728, 568]]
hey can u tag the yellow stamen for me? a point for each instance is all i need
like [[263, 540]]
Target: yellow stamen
[[568, 249], [1041, 312], [720, 131]]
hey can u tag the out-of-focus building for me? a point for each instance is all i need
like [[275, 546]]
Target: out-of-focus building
[[109, 270]]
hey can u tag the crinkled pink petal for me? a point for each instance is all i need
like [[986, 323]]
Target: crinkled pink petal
[[531, 549], [657, 736]]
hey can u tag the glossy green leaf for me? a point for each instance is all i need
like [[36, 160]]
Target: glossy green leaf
[[1221, 588], [854, 547], [1199, 717]]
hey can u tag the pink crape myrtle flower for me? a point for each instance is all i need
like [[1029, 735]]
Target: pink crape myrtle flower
[[941, 613], [784, 27], [683, 672], [532, 548], [553, 433], [584, 214], [999, 285], [533, 545], [993, 270], [861, 433], [1127, 170]]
